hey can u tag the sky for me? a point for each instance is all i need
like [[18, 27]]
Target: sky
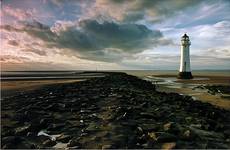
[[113, 34]]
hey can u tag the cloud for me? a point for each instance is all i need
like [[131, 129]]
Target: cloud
[[220, 29], [103, 41], [204, 37], [136, 34], [13, 59], [35, 51], [127, 37], [17, 13], [125, 11], [13, 42], [9, 28], [218, 53], [148, 10]]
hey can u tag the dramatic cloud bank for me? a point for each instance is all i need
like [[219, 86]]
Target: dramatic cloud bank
[[106, 41], [113, 34]]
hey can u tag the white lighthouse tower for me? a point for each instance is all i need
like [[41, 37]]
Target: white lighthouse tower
[[185, 70]]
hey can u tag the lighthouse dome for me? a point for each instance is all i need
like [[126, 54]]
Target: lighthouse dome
[[185, 36], [185, 40]]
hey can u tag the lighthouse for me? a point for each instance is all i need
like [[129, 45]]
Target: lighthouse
[[185, 70]]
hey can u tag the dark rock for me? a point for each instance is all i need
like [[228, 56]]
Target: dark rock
[[92, 127], [7, 131], [48, 143], [4, 116], [206, 135], [40, 139], [152, 136], [147, 115], [217, 145], [27, 145], [148, 127], [56, 127], [227, 133], [64, 138], [139, 130], [107, 147], [14, 140], [74, 142], [22, 130], [44, 122], [130, 123], [168, 146], [166, 137], [22, 145], [20, 118], [187, 135], [175, 129], [167, 126], [31, 134], [56, 107]]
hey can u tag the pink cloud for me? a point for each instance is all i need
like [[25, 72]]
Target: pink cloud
[[18, 13], [13, 59]]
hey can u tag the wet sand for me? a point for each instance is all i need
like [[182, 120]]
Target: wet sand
[[12, 84], [214, 80], [186, 88], [9, 88], [204, 97]]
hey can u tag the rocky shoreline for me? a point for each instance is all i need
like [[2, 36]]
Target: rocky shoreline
[[115, 111]]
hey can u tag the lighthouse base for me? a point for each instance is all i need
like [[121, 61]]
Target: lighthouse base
[[185, 75]]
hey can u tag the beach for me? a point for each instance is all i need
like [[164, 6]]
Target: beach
[[196, 87], [9, 88], [20, 81], [113, 111]]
